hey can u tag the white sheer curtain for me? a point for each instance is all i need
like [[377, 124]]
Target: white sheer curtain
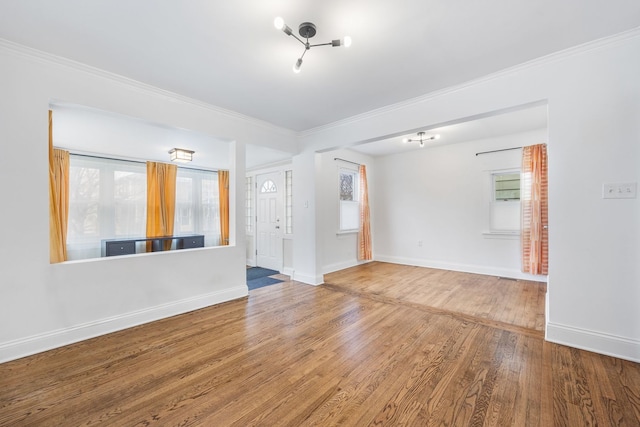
[[197, 205], [107, 200]]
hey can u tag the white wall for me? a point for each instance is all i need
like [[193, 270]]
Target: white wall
[[307, 250], [439, 197], [43, 305], [339, 250], [593, 94]]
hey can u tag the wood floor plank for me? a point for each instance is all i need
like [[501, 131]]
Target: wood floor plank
[[378, 344]]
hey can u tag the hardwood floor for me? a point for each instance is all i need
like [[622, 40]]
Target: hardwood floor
[[379, 344]]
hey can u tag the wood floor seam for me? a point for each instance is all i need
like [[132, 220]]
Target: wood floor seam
[[439, 312]]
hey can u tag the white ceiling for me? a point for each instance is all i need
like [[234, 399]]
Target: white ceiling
[[490, 126], [229, 54], [84, 130], [89, 131]]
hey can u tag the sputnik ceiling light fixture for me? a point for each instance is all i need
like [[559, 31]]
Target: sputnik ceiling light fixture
[[307, 30], [422, 137]]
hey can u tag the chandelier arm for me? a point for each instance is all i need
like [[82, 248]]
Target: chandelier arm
[[321, 44], [298, 38], [304, 52]]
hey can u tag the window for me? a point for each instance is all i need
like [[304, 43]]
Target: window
[[349, 206], [269, 187], [505, 201], [288, 202], [198, 205], [107, 199], [506, 186], [249, 204]]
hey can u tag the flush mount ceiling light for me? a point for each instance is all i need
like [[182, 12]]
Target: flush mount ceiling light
[[307, 30], [422, 137], [181, 155]]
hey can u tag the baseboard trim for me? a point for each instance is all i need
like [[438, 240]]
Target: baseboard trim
[[308, 279], [288, 271], [341, 266], [597, 342], [465, 268], [42, 342]]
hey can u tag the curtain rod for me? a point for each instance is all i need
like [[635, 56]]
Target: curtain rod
[[495, 151], [348, 161], [93, 156]]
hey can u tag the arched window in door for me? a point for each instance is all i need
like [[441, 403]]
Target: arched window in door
[[269, 187]]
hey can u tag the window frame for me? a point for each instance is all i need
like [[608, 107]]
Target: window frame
[[494, 190], [500, 207], [197, 177], [288, 202], [349, 207], [107, 203], [249, 215], [88, 246]]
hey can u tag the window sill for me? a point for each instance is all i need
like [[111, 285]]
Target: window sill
[[506, 235], [346, 232]]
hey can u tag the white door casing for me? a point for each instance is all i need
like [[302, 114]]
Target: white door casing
[[269, 227]]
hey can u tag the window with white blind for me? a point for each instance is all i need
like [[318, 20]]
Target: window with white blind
[[107, 199], [197, 205], [505, 201]]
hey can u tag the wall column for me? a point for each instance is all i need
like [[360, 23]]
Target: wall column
[[306, 249]]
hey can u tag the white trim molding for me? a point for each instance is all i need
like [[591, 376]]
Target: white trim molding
[[308, 279], [337, 266], [598, 342], [288, 271], [42, 342], [23, 51], [550, 58], [464, 268]]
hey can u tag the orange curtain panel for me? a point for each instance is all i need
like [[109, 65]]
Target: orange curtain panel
[[364, 232], [223, 188], [58, 199], [535, 234], [161, 201]]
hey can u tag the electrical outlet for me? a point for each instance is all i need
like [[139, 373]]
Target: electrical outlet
[[419, 243], [624, 190]]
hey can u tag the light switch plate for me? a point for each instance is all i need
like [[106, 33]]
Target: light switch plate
[[621, 190]]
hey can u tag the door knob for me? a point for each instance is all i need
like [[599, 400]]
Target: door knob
[[277, 227]]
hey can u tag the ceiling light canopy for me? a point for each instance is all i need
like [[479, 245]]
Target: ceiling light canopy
[[422, 137], [307, 30], [181, 155]]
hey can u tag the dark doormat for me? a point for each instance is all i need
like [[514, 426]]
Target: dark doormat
[[258, 277], [256, 272], [261, 282]]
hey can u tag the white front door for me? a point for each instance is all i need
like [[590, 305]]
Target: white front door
[[269, 225]]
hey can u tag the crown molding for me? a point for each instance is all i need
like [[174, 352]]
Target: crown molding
[[25, 52], [34, 54], [543, 60]]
